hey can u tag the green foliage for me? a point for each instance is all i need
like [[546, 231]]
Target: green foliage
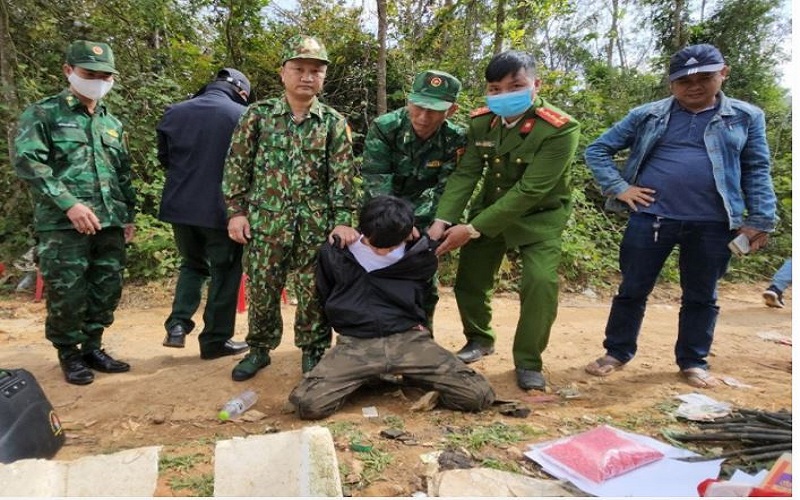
[[198, 486], [180, 463], [504, 465], [496, 434], [167, 49], [375, 461], [152, 253]]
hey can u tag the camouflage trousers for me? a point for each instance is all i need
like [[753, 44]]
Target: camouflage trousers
[[83, 285], [412, 354], [268, 260]]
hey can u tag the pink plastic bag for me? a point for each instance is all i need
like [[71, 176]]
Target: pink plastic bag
[[600, 454]]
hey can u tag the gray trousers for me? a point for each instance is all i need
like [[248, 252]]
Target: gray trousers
[[412, 354]]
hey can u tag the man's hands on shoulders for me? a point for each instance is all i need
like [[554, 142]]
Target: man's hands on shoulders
[[455, 237], [436, 230], [346, 234]]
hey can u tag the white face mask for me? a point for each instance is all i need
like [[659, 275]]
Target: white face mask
[[91, 89]]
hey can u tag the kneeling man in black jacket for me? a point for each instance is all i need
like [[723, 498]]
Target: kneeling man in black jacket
[[373, 292]]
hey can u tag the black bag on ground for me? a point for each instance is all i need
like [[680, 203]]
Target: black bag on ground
[[29, 427]]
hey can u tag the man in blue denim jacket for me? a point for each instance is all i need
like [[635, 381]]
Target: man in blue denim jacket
[[697, 175]]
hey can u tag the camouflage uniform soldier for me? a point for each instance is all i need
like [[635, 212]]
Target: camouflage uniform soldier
[[288, 181], [410, 152], [74, 155]]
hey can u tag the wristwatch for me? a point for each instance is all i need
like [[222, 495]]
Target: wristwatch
[[473, 233]]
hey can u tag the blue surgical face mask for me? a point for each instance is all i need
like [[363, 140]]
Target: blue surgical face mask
[[511, 103]]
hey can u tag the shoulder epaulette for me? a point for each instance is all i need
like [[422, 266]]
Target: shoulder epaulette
[[479, 112], [552, 117]]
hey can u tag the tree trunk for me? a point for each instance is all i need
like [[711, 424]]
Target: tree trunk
[[613, 33], [8, 87], [499, 21], [677, 25], [382, 22]]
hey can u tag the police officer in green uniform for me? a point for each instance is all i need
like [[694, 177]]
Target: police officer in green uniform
[[73, 153], [522, 148], [288, 181], [410, 152]]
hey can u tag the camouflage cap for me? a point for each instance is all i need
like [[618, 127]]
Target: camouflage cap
[[94, 56], [434, 90], [304, 47]]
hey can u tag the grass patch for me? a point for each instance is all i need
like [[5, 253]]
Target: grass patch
[[375, 462], [199, 486], [498, 434], [504, 465], [343, 429], [394, 422], [180, 463]]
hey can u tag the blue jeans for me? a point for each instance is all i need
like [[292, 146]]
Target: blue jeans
[[783, 277], [703, 260]]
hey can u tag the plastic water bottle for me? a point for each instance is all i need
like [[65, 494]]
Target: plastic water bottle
[[238, 405]]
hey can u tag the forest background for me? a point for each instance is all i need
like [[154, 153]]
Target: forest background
[[597, 60]]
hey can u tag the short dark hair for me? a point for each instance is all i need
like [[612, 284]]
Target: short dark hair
[[508, 63], [386, 221]]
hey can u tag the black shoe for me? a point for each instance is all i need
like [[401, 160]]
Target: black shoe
[[530, 379], [228, 348], [474, 351], [75, 370], [97, 359], [176, 337]]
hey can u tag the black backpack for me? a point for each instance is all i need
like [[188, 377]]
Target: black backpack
[[29, 427]]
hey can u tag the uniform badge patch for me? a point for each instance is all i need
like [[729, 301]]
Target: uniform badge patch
[[113, 133], [97, 50], [527, 126], [552, 117], [479, 112], [434, 164], [484, 144]]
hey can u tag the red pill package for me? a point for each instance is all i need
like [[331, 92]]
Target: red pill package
[[600, 454]]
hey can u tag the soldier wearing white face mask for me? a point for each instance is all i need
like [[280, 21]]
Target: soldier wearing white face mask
[[73, 154]]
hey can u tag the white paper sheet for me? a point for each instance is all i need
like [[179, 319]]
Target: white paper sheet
[[664, 478]]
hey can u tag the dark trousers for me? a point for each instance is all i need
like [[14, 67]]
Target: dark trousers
[[413, 354], [703, 260], [83, 284], [206, 253]]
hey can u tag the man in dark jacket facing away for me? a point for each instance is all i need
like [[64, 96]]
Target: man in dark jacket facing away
[[373, 291], [193, 140]]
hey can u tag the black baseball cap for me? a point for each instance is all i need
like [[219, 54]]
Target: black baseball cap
[[234, 77], [702, 58]]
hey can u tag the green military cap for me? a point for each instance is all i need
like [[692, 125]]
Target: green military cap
[[304, 47], [434, 90], [95, 56]]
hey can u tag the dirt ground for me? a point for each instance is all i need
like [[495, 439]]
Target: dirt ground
[[171, 396]]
